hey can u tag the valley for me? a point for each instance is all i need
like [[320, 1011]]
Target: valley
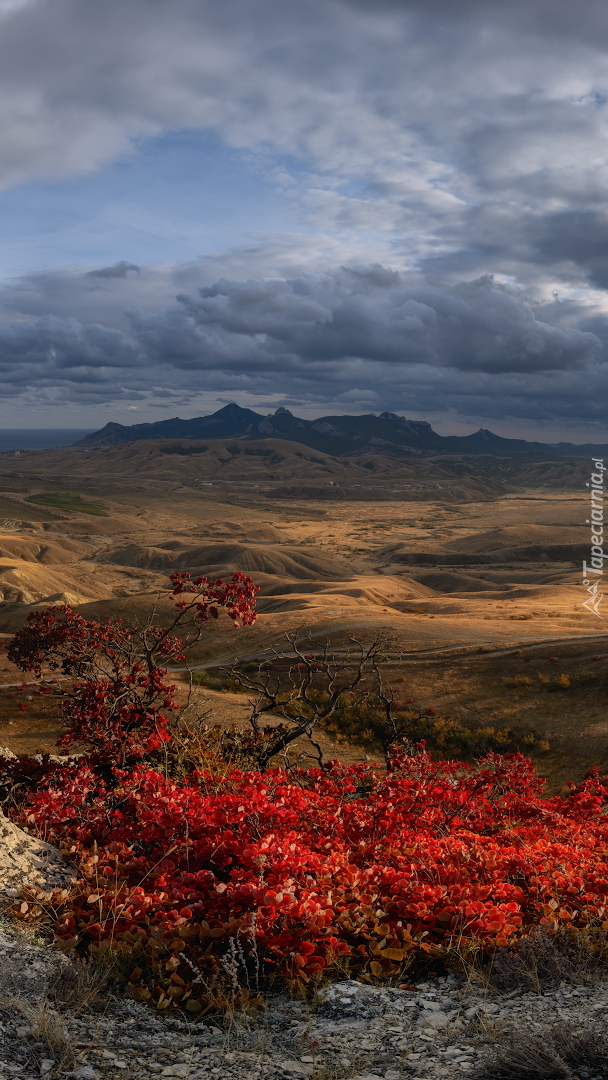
[[474, 580]]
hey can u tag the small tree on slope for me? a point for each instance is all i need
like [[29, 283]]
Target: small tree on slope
[[120, 702]]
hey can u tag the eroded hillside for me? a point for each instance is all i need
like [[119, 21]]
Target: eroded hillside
[[437, 573]]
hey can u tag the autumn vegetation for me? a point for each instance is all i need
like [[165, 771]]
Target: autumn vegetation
[[217, 864]]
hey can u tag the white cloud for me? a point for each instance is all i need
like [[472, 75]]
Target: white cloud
[[431, 106]]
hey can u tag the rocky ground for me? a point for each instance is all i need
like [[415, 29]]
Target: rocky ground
[[444, 1027]]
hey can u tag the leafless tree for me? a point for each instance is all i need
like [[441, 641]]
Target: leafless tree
[[319, 688]]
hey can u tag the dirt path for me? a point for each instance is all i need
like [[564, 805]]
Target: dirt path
[[488, 647]]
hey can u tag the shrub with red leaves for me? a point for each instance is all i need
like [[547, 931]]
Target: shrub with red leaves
[[341, 869], [355, 870], [121, 701]]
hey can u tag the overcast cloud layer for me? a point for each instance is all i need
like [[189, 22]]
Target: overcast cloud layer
[[445, 166]]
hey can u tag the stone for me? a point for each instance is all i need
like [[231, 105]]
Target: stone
[[346, 1000], [46, 1065], [182, 1070], [298, 1068], [24, 860], [434, 1020]]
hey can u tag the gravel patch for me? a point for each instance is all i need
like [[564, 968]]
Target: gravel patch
[[443, 1028]]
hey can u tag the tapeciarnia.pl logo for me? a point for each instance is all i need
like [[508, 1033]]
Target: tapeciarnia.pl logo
[[594, 570]]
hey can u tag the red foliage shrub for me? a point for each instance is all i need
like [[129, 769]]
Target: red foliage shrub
[[237, 596], [120, 707], [344, 867], [280, 874]]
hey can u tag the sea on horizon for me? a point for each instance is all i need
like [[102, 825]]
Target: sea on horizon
[[40, 438]]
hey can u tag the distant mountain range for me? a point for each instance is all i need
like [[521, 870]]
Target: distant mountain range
[[387, 433]]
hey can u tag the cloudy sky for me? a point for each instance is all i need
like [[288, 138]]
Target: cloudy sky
[[333, 206]]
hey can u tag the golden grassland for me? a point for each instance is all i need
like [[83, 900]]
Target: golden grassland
[[480, 598]]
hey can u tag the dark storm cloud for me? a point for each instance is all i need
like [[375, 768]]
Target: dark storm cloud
[[471, 326], [574, 240], [399, 340]]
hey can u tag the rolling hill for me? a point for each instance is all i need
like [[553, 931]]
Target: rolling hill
[[260, 468]]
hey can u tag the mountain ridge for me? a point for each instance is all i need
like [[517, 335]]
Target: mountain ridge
[[337, 435]]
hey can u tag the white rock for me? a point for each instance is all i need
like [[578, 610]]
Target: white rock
[[176, 1070], [24, 860], [46, 1065], [435, 1021]]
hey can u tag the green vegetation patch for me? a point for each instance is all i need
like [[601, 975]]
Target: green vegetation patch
[[215, 679], [68, 500], [366, 725]]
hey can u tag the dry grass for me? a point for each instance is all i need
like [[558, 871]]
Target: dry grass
[[543, 959], [34, 729], [562, 1052], [488, 1029], [329, 1071], [45, 1026], [81, 986]]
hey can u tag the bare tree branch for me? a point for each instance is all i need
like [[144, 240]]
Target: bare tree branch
[[317, 689]]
